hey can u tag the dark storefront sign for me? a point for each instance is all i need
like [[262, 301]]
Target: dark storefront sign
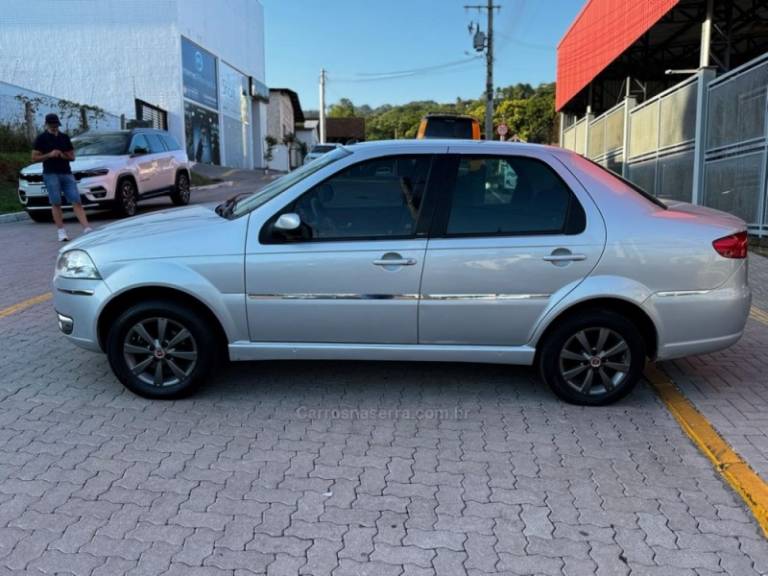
[[202, 130], [199, 67]]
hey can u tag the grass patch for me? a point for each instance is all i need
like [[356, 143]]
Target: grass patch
[[10, 164], [200, 180]]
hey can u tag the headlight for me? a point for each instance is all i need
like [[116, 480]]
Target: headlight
[[76, 264], [92, 172]]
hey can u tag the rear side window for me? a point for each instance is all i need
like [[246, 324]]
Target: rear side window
[[155, 145], [511, 196], [448, 128], [170, 142]]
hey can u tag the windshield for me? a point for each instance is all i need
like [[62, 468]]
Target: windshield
[[448, 128], [281, 184], [107, 144]]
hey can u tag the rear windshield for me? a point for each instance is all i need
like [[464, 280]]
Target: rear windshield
[[448, 128], [105, 144], [323, 149], [618, 179]]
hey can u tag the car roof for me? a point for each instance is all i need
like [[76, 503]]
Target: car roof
[[489, 146], [130, 131]]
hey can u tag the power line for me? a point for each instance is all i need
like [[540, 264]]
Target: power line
[[396, 74]]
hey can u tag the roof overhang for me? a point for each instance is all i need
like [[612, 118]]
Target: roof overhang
[[601, 32]]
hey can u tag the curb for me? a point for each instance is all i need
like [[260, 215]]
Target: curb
[[13, 217]]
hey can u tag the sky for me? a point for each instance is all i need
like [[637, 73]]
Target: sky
[[355, 38]]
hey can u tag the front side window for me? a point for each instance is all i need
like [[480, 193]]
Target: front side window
[[510, 196], [170, 142], [374, 199]]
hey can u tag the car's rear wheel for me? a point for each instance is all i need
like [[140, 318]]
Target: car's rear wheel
[[161, 350], [181, 191], [126, 198], [592, 358], [40, 215]]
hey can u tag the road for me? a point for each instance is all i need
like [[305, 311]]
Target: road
[[359, 468]]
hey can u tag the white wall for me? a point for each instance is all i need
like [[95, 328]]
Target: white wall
[[108, 52], [102, 53]]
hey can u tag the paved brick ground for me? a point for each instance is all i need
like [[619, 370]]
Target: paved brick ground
[[438, 469]]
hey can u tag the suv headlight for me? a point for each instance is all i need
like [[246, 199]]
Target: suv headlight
[[92, 172], [76, 264]]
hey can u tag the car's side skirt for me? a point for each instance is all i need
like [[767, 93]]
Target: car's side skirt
[[521, 355]]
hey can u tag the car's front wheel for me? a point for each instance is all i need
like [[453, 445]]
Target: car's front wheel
[[40, 215], [592, 358], [126, 198], [180, 194], [161, 349]]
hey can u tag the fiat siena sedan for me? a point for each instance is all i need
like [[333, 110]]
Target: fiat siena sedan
[[432, 250]]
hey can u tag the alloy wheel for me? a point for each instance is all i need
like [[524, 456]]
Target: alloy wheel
[[160, 352], [595, 361], [128, 198], [183, 188]]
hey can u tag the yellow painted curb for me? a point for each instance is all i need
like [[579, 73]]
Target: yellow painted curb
[[18, 307], [760, 315], [752, 489]]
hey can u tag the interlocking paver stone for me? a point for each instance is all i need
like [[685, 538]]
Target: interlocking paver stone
[[94, 480]]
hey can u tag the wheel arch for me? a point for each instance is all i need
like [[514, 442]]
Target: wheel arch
[[629, 309], [125, 299]]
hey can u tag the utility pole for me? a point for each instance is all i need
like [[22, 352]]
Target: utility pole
[[483, 42], [322, 106]]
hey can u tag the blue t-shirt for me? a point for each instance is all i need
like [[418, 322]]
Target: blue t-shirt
[[48, 141]]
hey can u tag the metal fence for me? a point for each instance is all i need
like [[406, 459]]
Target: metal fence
[[704, 140], [736, 144]]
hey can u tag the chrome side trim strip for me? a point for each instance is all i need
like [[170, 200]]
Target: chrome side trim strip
[[485, 296], [674, 293], [333, 296], [76, 292], [437, 297]]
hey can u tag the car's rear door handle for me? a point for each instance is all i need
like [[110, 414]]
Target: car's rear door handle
[[565, 258], [395, 262]]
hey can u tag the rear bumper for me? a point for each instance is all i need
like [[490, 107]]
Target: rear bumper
[[700, 322]]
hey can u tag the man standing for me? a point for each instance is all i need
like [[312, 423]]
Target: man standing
[[54, 149]]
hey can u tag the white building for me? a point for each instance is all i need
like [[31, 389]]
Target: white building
[[202, 61]]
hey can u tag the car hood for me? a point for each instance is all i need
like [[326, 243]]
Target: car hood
[[84, 163], [192, 231]]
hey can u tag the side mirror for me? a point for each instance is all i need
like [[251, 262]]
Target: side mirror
[[139, 151], [287, 222]]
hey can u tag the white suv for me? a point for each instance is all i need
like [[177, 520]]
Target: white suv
[[115, 170]]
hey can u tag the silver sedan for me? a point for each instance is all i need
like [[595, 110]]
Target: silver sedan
[[414, 250]]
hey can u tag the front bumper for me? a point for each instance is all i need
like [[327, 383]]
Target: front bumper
[[94, 192], [78, 304]]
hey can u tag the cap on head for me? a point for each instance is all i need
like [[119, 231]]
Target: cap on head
[[52, 120]]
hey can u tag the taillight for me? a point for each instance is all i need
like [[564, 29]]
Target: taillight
[[733, 246]]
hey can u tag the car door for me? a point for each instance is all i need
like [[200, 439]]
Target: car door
[[514, 232], [350, 273], [165, 173], [144, 163]]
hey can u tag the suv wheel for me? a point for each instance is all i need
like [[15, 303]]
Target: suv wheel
[[593, 358], [126, 197], [161, 350], [40, 215], [180, 194]]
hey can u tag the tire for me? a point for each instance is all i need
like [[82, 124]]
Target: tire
[[40, 215], [605, 373], [185, 360], [181, 193], [126, 198]]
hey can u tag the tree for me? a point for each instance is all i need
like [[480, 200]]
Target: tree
[[344, 108]]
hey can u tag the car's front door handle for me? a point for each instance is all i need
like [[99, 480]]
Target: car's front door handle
[[395, 262], [565, 258]]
